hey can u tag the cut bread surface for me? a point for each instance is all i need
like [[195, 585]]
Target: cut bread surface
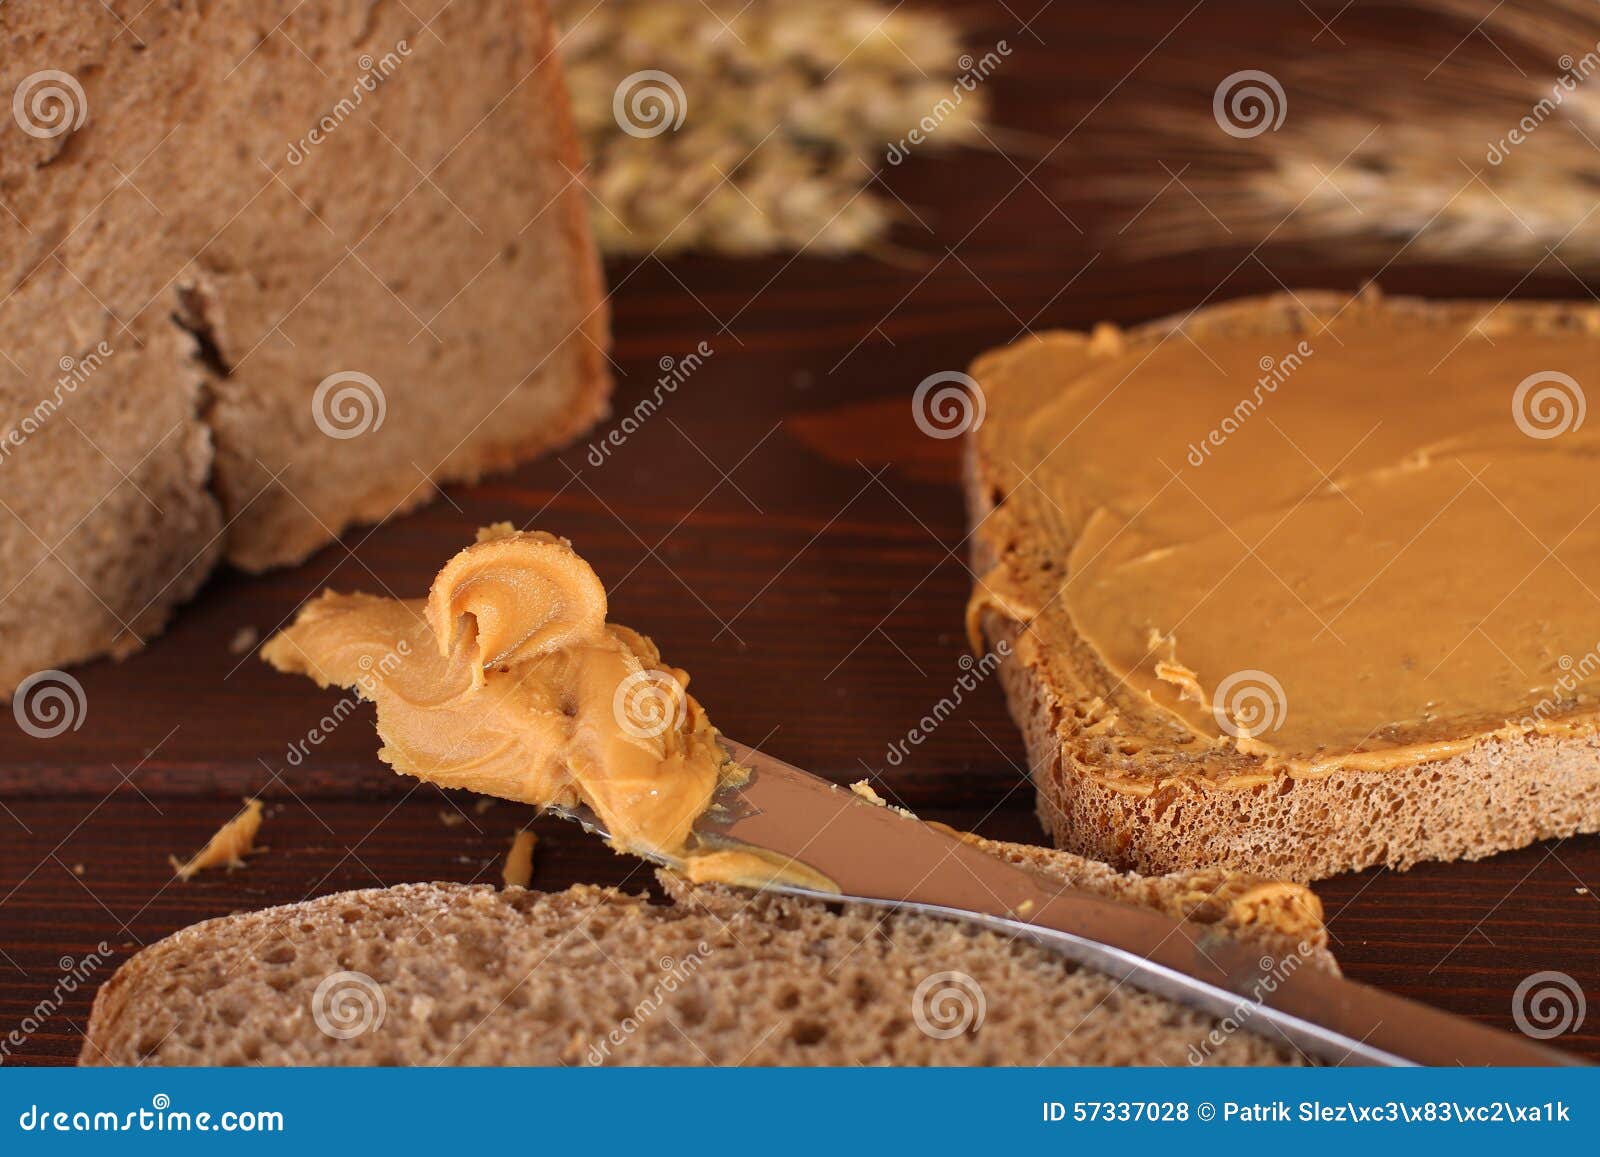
[[271, 269], [456, 974], [1294, 585]]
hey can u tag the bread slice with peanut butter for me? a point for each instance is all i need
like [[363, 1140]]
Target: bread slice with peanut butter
[[426, 974], [1298, 585]]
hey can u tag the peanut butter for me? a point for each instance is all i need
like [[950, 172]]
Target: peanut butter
[[517, 871], [226, 848], [752, 867], [507, 680], [1365, 536]]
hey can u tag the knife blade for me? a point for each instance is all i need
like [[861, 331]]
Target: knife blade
[[880, 856]]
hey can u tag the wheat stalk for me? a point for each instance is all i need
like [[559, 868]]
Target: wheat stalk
[[789, 109], [1467, 165]]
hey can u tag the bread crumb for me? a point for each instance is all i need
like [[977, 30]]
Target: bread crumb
[[233, 841], [244, 639], [77, 869], [495, 530], [1105, 341], [451, 819], [518, 870], [864, 789], [484, 804], [1581, 891]]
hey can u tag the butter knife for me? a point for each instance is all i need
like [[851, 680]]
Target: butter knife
[[879, 856]]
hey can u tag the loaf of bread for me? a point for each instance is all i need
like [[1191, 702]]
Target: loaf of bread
[[427, 974], [269, 270], [1298, 585]]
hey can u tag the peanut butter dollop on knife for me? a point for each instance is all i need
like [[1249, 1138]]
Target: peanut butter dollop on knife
[[507, 680]]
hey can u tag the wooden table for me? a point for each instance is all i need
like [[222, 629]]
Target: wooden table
[[784, 531]]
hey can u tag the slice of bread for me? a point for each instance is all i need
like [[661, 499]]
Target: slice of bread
[[453, 974], [1353, 496], [268, 271]]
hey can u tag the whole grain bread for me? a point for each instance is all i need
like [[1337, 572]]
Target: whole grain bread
[[1098, 793], [212, 210], [453, 974]]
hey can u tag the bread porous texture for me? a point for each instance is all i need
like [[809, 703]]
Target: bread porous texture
[[270, 270], [429, 974]]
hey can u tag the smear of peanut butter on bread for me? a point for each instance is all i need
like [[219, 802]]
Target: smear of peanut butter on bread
[[508, 680], [1360, 540]]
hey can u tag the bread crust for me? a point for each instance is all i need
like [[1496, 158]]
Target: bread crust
[[1230, 809], [433, 238]]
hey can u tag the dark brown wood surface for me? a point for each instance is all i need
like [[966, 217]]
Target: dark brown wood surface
[[784, 531]]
